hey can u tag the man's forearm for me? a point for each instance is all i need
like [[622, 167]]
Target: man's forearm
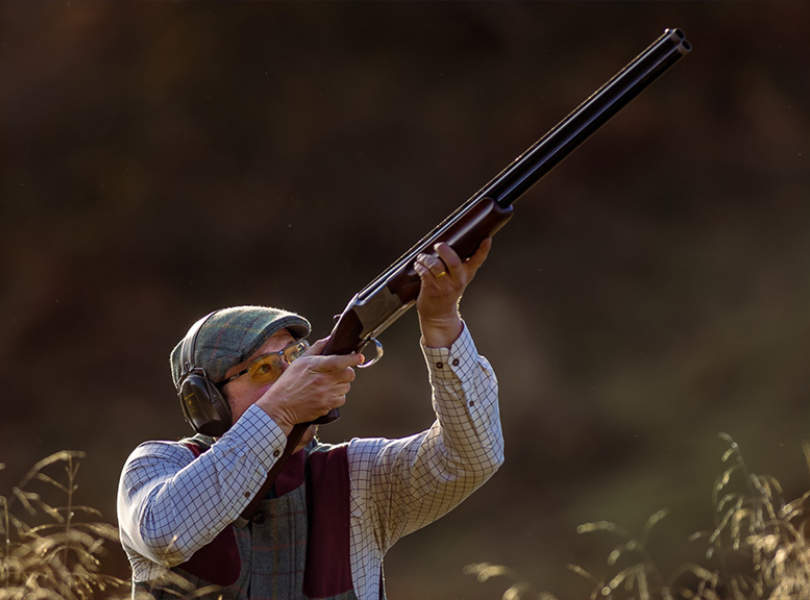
[[465, 399], [413, 481], [171, 504]]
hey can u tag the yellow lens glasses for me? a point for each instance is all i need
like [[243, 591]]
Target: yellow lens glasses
[[269, 367]]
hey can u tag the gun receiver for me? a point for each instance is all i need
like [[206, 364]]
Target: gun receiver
[[395, 290]]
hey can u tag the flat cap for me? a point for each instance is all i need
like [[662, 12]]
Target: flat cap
[[228, 336]]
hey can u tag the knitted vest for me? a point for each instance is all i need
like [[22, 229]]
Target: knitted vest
[[295, 547]]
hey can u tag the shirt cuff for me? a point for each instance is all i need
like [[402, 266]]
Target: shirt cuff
[[259, 433], [451, 362]]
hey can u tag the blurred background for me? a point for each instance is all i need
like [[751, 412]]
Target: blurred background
[[160, 160]]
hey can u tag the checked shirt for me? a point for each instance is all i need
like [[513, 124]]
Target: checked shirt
[[171, 505]]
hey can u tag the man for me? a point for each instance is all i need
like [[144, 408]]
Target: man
[[333, 511]]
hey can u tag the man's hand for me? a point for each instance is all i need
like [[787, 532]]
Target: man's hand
[[310, 387], [444, 279]]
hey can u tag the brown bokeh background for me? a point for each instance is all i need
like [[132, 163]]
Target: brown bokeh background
[[160, 160]]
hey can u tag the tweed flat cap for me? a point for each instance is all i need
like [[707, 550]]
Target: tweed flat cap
[[230, 335]]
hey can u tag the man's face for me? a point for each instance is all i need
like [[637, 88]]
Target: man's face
[[243, 392]]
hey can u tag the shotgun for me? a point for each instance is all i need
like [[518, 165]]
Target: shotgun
[[386, 298], [394, 291]]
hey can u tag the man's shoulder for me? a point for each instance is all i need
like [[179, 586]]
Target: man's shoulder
[[151, 460], [165, 450]]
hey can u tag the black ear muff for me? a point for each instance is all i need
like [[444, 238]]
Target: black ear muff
[[203, 405]]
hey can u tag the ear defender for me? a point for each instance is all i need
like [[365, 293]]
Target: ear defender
[[202, 403]]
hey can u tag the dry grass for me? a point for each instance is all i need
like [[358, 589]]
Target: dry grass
[[757, 549], [47, 550], [52, 551]]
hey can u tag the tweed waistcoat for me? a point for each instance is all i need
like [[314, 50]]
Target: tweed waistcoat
[[296, 546]]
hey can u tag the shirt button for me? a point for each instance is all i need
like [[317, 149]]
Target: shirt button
[[276, 452], [472, 402], [439, 365], [455, 362], [247, 494]]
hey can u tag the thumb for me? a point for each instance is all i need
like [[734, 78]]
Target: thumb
[[316, 348], [334, 362], [477, 259]]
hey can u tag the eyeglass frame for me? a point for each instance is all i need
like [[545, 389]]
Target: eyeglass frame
[[302, 345]]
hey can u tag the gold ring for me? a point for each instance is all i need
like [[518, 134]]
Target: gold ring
[[442, 274]]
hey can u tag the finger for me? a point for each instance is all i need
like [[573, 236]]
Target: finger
[[477, 259], [334, 362], [437, 266], [431, 284], [449, 258], [335, 396], [433, 263], [424, 273], [345, 376], [316, 348], [349, 375]]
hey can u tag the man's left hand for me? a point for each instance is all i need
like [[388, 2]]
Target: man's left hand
[[444, 279]]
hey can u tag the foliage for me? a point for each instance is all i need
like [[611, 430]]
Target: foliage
[[756, 550], [49, 551]]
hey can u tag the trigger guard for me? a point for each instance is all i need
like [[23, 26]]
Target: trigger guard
[[379, 348]]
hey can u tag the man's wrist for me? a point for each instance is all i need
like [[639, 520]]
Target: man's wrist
[[441, 333], [278, 417], [260, 433]]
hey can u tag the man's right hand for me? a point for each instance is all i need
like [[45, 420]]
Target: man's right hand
[[310, 387]]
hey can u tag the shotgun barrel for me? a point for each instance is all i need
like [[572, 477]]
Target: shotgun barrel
[[395, 290], [540, 157]]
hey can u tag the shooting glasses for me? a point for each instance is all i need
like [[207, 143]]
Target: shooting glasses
[[269, 367]]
